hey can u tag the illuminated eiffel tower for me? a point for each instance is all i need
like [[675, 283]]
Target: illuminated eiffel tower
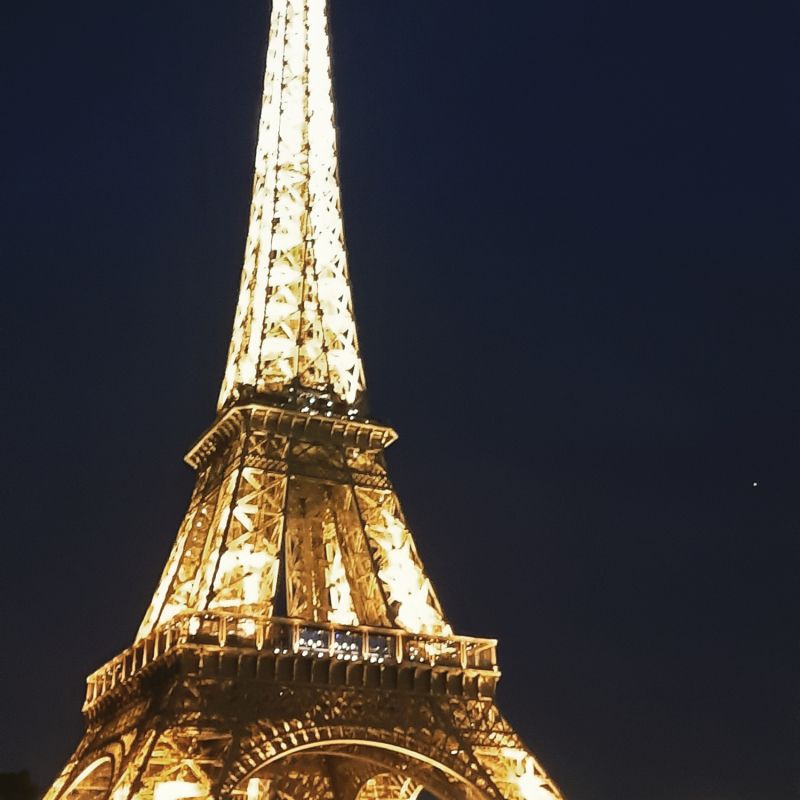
[[294, 648]]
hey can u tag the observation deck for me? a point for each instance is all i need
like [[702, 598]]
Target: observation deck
[[299, 649]]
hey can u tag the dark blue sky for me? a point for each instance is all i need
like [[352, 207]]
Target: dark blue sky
[[573, 235]]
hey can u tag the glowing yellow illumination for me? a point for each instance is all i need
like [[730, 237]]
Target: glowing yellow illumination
[[523, 771], [178, 790], [533, 787], [341, 599], [255, 789], [226, 555], [296, 486], [399, 567], [389, 787], [294, 328], [294, 320]]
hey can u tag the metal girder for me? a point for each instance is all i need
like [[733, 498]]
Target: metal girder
[[207, 733], [362, 691], [325, 509], [294, 321]]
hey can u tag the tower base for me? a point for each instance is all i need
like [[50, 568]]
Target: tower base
[[255, 724]]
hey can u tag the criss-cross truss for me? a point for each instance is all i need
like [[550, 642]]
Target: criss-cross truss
[[294, 648], [294, 321], [286, 522], [301, 500]]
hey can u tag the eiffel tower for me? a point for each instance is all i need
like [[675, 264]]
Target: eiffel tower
[[294, 648]]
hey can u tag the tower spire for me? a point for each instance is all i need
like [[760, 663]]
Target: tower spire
[[294, 325]]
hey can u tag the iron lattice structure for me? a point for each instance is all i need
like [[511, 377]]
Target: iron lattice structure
[[294, 648]]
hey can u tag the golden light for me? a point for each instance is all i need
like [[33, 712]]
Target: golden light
[[178, 790], [292, 490], [255, 789], [523, 772], [294, 320]]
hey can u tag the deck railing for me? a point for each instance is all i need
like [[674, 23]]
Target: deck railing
[[283, 636]]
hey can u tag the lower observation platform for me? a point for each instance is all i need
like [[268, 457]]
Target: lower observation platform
[[285, 642]]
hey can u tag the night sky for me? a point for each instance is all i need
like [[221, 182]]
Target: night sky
[[573, 236]]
